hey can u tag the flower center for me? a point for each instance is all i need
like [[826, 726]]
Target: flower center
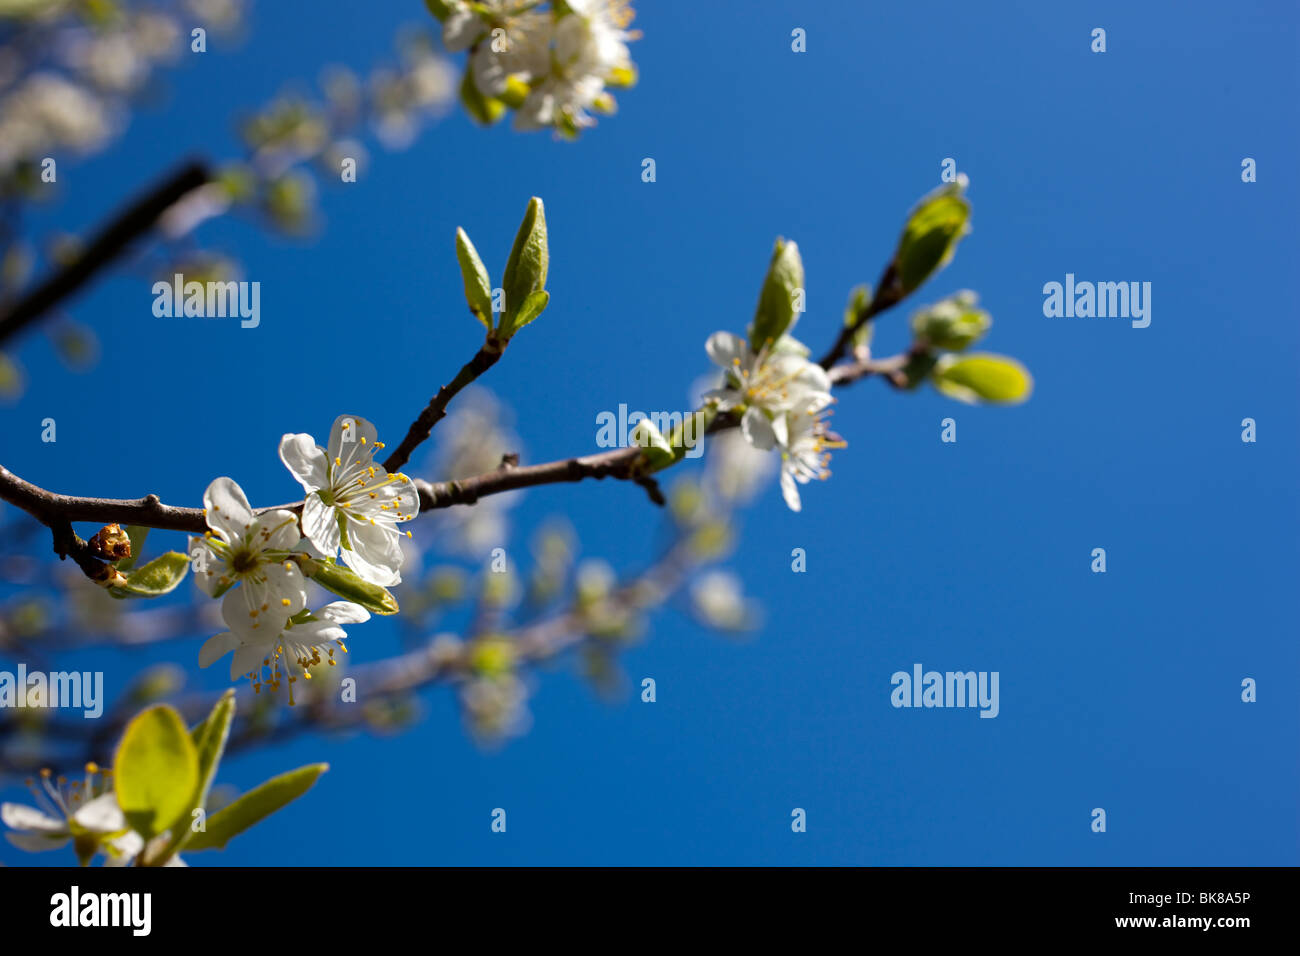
[[242, 561]]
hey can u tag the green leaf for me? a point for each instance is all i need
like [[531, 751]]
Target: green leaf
[[156, 771], [655, 448], [527, 266], [932, 232], [255, 806], [439, 8], [776, 312], [484, 109], [859, 302], [478, 289], [346, 583], [982, 376], [533, 306], [955, 323], [209, 739], [159, 576], [687, 435], [137, 534]]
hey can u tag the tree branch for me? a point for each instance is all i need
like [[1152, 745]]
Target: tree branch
[[53, 509], [891, 368], [424, 667], [111, 241], [436, 410], [889, 292]]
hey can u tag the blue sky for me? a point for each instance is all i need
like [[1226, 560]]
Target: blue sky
[[1118, 690]]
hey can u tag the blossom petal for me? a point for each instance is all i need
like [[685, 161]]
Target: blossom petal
[[726, 398], [398, 501], [461, 29], [277, 530], [814, 378], [781, 430], [208, 580], [248, 658], [538, 111], [36, 842], [312, 635], [758, 429], [490, 69], [360, 438], [343, 612], [260, 606], [228, 511], [320, 526], [302, 456], [18, 816], [285, 580], [790, 490], [127, 847], [217, 647], [375, 552], [102, 814], [725, 348]]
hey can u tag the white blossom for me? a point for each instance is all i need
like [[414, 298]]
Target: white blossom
[[765, 383], [352, 503], [589, 51], [246, 558], [83, 811], [300, 642], [804, 439], [718, 598], [47, 112], [509, 44]]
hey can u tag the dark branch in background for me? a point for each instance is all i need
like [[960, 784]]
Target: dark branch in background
[[423, 667], [108, 244]]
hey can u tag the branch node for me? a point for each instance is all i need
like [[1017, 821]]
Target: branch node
[[652, 489]]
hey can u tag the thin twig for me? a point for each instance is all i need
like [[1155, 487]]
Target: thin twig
[[889, 292], [436, 410]]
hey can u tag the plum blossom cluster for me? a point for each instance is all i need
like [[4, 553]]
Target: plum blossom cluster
[[553, 65], [781, 397], [784, 403], [258, 561]]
